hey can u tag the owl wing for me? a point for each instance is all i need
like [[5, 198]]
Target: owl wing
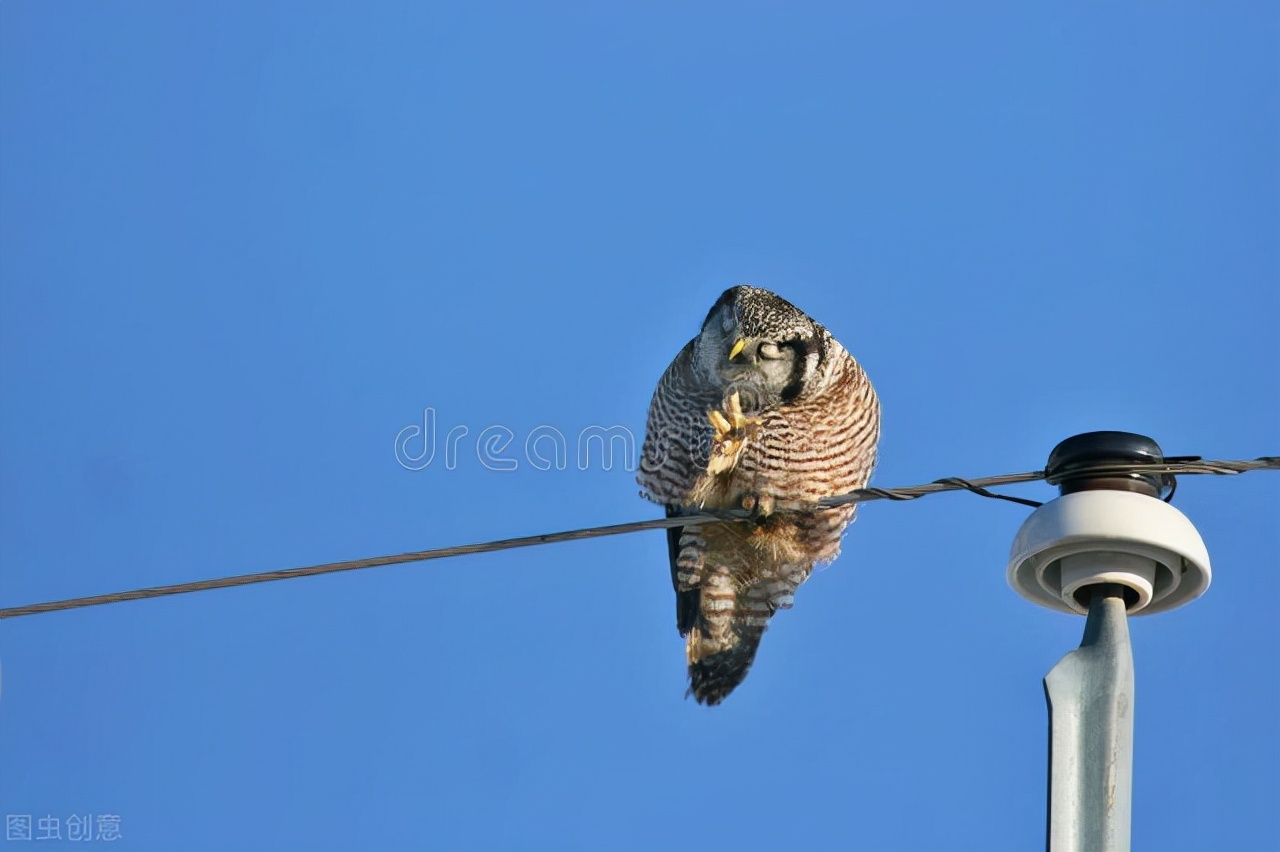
[[676, 449], [688, 600]]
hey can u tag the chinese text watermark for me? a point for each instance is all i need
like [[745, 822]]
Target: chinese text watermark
[[82, 828]]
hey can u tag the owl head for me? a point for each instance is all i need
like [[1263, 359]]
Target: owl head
[[759, 344]]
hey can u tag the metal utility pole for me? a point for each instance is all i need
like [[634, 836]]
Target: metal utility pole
[[1108, 548]]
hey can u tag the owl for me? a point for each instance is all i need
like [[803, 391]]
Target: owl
[[762, 407]]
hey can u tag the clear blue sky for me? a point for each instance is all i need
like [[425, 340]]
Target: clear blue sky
[[244, 245]]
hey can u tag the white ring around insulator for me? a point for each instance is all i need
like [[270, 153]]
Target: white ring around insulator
[[1091, 537]]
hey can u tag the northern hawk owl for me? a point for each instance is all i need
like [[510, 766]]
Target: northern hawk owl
[[762, 407]]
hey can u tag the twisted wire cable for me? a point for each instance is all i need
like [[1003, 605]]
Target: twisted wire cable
[[1170, 467]]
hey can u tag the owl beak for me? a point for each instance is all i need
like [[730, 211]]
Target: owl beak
[[738, 346]]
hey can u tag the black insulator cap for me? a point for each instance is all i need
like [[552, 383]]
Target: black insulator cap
[[1079, 463]]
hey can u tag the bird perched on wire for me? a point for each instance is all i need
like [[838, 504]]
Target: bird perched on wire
[[762, 407]]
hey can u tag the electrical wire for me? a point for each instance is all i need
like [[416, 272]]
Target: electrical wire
[[863, 495]]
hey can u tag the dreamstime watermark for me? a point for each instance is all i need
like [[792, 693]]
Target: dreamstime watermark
[[545, 447]]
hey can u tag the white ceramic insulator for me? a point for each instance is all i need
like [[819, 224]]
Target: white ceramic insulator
[[1092, 537]]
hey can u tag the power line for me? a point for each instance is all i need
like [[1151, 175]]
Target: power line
[[864, 495]]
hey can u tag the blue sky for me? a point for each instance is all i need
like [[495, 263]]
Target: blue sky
[[242, 246]]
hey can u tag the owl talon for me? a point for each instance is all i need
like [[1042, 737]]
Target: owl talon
[[720, 423], [732, 429], [740, 422]]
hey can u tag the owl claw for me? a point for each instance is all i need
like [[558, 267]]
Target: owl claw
[[732, 429], [740, 421], [720, 423]]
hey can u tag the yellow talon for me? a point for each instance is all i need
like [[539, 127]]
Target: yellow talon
[[738, 420], [732, 430]]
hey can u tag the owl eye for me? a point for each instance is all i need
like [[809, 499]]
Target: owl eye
[[770, 351]]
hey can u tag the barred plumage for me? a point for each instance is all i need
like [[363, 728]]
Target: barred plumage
[[762, 406]]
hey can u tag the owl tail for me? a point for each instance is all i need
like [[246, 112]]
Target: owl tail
[[720, 659], [723, 610]]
